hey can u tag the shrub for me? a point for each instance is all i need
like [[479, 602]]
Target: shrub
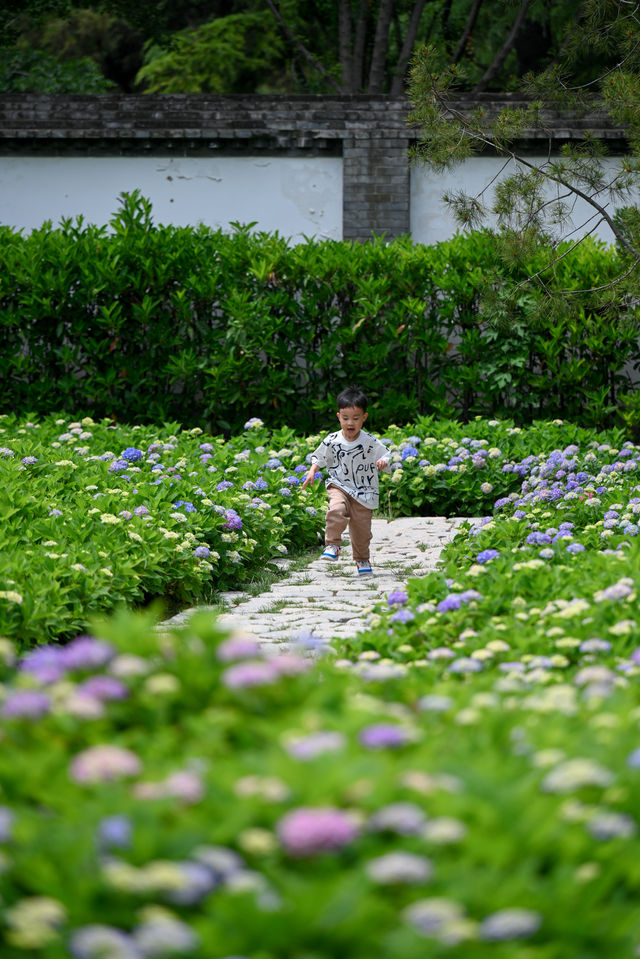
[[151, 323]]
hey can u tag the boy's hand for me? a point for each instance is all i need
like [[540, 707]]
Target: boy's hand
[[382, 464], [309, 477]]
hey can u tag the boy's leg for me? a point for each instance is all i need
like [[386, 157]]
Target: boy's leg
[[359, 530], [337, 516]]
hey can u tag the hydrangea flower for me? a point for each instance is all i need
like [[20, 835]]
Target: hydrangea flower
[[25, 704], [103, 763], [96, 941], [486, 555], [397, 598], [114, 832], [510, 924], [383, 736], [316, 744], [309, 831], [131, 454], [399, 867]]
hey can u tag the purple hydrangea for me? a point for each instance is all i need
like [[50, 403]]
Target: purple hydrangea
[[118, 466], [87, 652], [237, 647], [225, 484], [255, 672], [402, 616], [383, 736], [232, 520], [397, 598], [46, 663], [103, 688], [141, 511], [202, 552], [450, 602], [25, 704]]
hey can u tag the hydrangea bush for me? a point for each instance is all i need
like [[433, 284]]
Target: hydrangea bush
[[99, 514], [460, 780]]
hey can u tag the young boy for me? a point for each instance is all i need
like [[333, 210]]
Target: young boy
[[352, 459]]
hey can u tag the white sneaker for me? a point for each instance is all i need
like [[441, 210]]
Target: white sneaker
[[330, 552]]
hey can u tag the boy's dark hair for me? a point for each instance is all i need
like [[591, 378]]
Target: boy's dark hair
[[352, 396]]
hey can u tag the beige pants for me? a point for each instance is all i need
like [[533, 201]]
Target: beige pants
[[345, 510]]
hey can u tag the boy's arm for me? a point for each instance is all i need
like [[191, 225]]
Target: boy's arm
[[383, 461], [313, 469]]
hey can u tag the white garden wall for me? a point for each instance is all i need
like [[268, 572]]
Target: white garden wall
[[296, 196]]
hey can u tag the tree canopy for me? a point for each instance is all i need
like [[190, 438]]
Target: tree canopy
[[287, 46], [533, 203]]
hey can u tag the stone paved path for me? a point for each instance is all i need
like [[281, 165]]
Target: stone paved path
[[330, 598]]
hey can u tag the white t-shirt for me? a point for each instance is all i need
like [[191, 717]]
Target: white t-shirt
[[351, 465]]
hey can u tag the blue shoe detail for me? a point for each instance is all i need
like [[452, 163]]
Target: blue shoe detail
[[330, 552], [364, 569]]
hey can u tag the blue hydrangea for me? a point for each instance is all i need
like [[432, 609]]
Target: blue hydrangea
[[487, 555], [188, 507], [132, 455], [409, 451]]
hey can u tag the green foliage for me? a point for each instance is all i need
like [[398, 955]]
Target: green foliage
[[153, 323], [36, 71], [235, 52]]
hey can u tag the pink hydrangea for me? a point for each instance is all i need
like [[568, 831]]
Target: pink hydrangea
[[310, 830], [103, 763]]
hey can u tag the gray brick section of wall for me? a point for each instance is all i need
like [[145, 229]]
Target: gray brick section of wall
[[371, 133]]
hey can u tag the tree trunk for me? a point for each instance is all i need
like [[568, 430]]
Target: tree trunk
[[301, 47], [345, 49], [358, 47], [380, 47], [502, 54], [468, 30], [397, 84]]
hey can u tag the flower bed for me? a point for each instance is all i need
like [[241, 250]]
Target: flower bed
[[462, 780], [98, 514]]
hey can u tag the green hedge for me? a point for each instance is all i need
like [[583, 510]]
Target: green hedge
[[150, 323]]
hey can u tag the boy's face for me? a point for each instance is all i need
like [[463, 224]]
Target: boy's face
[[351, 420]]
